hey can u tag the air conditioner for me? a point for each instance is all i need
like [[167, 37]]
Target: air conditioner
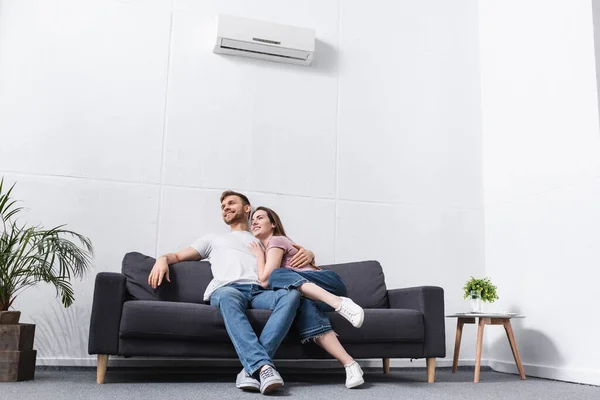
[[265, 40]]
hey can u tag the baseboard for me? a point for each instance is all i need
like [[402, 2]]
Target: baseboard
[[575, 375], [203, 362]]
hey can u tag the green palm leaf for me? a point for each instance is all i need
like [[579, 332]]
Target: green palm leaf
[[33, 254]]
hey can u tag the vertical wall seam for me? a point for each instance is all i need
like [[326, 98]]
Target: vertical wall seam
[[337, 136], [164, 135]]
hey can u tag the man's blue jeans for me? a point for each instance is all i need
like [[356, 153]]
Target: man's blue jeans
[[311, 321], [233, 300]]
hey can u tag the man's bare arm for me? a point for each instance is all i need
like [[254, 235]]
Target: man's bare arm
[[187, 254], [161, 266]]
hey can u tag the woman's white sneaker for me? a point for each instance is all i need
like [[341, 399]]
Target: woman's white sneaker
[[354, 375], [351, 311]]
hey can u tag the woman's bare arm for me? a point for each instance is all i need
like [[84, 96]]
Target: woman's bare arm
[[268, 264]]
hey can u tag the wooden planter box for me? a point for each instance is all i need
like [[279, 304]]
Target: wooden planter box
[[17, 357]]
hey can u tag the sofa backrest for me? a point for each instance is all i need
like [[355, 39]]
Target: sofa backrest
[[189, 279], [365, 282]]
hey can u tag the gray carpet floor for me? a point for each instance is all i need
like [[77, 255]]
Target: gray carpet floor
[[205, 384]]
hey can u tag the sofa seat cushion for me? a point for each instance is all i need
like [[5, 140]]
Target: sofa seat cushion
[[163, 320], [180, 321], [381, 326]]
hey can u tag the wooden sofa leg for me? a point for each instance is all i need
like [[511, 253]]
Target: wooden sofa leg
[[101, 368], [431, 369], [386, 365]]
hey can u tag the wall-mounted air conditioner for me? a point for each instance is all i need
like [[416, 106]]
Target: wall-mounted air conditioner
[[265, 40]]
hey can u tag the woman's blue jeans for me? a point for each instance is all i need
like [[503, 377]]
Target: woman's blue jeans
[[311, 320]]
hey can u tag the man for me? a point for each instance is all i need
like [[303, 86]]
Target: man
[[235, 287]]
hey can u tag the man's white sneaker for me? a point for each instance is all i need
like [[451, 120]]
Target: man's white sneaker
[[354, 375], [247, 382], [351, 311], [270, 380]]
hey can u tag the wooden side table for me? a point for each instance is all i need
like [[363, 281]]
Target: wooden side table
[[485, 319]]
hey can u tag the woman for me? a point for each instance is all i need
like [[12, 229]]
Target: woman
[[322, 290]]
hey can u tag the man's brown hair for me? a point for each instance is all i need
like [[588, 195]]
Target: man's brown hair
[[227, 193]]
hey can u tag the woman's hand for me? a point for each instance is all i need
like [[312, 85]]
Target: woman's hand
[[264, 284], [256, 249]]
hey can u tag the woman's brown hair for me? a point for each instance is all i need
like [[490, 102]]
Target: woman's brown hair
[[274, 219]]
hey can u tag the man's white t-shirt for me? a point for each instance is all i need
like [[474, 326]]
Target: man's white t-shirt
[[230, 259]]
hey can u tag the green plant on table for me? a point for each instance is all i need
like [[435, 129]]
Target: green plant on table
[[485, 286]]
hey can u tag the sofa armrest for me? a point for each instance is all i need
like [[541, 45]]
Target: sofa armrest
[[109, 296], [430, 301]]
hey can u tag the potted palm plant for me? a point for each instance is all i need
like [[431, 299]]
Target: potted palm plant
[[30, 255]]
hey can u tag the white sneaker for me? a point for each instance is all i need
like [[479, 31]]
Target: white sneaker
[[270, 380], [354, 375], [247, 382], [352, 312]]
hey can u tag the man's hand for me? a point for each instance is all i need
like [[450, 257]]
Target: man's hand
[[302, 258], [160, 269]]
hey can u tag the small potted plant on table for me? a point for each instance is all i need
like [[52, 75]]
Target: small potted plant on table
[[478, 291]]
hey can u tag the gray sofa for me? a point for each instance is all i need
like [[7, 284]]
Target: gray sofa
[[131, 319]]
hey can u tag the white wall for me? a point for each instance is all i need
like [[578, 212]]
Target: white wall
[[409, 181], [541, 151], [117, 118]]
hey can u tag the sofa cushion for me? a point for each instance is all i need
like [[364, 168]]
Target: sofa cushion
[[136, 267], [189, 279], [198, 322], [365, 282], [180, 321]]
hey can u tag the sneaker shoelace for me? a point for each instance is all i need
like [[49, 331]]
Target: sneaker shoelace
[[346, 312], [266, 373], [350, 371]]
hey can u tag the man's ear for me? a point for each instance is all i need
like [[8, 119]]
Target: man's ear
[[247, 209]]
